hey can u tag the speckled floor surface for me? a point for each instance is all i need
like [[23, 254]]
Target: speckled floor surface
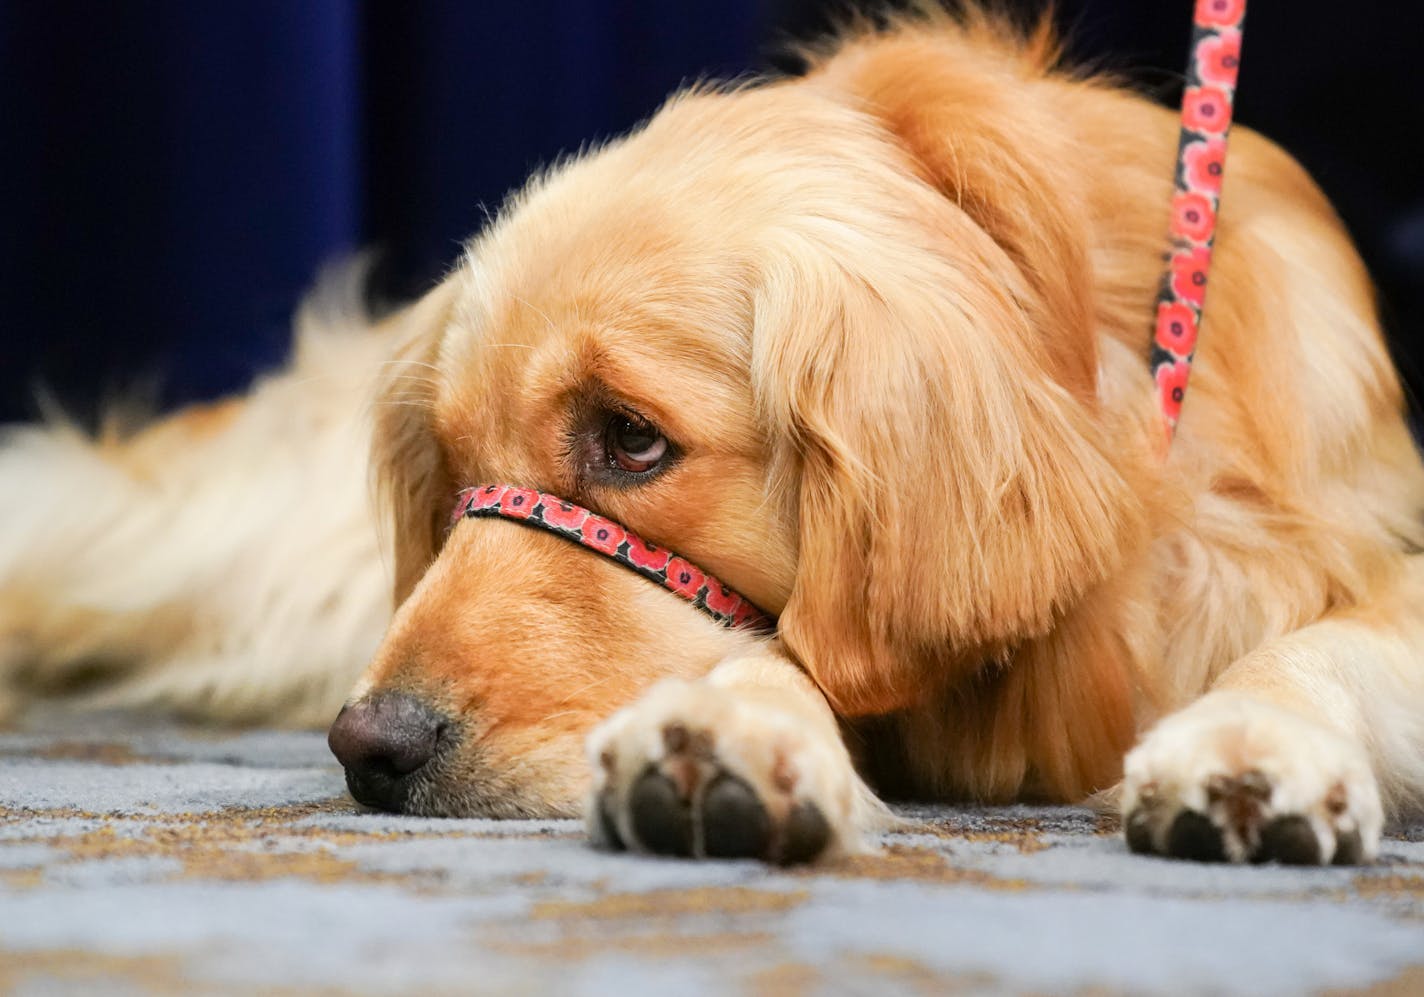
[[152, 859]]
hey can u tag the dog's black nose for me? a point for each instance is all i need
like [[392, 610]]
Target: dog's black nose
[[383, 741]]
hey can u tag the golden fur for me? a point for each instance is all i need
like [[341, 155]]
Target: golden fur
[[894, 314]]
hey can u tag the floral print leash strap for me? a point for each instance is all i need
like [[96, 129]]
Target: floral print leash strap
[[571, 522], [1201, 164]]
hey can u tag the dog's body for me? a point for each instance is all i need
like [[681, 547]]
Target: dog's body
[[885, 329]]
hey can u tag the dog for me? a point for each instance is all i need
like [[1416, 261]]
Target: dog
[[868, 345]]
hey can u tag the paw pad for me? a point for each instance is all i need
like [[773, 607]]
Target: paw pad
[[1235, 778], [725, 819], [671, 786], [1238, 825]]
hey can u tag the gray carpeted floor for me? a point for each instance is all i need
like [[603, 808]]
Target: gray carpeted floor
[[143, 859]]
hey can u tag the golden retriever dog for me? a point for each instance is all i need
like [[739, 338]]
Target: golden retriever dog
[[868, 345]]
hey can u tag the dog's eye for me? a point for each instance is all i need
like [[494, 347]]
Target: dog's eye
[[633, 445]]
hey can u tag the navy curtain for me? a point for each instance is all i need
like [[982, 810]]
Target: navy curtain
[[174, 172]]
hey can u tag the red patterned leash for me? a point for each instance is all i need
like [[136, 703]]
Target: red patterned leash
[[603, 536], [1201, 164]]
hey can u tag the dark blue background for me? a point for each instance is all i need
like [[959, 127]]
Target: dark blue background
[[174, 172]]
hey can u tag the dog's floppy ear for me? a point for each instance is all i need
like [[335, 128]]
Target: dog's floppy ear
[[971, 105], [932, 392], [412, 484]]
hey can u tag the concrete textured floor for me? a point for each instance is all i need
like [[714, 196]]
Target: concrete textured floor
[[148, 858]]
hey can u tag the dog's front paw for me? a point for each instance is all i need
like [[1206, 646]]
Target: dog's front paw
[[1235, 779], [701, 771]]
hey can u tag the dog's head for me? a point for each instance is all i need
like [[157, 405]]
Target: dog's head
[[828, 339]]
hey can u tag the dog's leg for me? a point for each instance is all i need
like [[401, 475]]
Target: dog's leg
[[1300, 747], [748, 762]]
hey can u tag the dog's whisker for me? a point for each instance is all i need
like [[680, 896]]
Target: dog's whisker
[[537, 311], [579, 692], [410, 363], [413, 378]]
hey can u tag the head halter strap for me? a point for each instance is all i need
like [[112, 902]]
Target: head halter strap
[[1201, 165], [603, 536]]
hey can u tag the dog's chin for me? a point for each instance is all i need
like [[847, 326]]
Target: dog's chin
[[447, 791]]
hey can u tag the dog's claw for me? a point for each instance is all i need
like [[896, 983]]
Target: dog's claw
[[661, 818], [1289, 841], [1194, 836], [734, 822], [805, 835]]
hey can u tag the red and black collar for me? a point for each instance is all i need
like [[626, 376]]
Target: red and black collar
[[602, 535]]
